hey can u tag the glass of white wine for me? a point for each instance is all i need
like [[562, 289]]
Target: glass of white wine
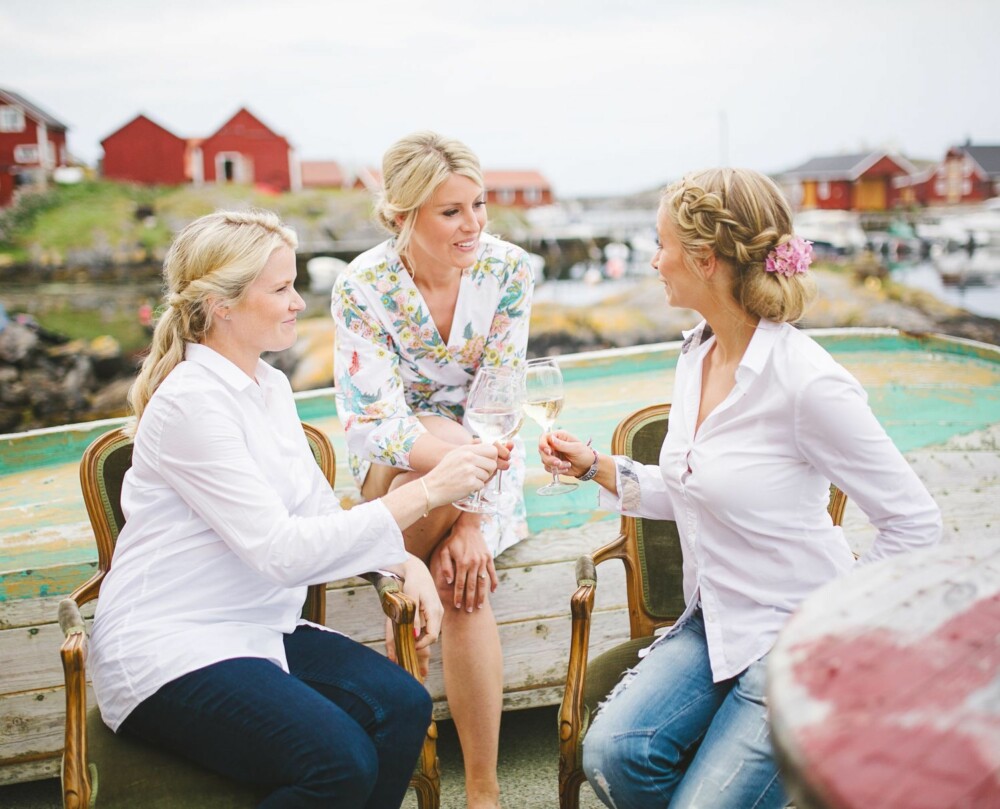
[[543, 401], [493, 411]]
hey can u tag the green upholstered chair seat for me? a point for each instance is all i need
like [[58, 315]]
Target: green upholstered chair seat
[[603, 674], [164, 781]]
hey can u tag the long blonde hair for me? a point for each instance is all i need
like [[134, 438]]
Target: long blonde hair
[[412, 169], [740, 215], [211, 263]]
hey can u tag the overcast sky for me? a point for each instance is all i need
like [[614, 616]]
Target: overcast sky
[[603, 96]]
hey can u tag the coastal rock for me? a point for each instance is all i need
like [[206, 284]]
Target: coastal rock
[[16, 342]]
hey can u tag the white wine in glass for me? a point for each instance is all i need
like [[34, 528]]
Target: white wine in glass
[[543, 402], [493, 411]]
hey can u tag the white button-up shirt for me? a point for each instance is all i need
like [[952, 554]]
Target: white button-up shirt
[[229, 519], [749, 490]]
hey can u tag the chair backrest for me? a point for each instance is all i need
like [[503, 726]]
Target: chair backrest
[[102, 473], [651, 550]]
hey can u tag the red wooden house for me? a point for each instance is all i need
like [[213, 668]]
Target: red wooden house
[[244, 150], [323, 174], [144, 152], [519, 189], [968, 174], [851, 182], [32, 145]]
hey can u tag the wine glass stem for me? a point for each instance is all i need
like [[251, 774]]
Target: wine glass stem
[[500, 482]]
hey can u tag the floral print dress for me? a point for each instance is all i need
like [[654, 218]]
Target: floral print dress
[[391, 365]]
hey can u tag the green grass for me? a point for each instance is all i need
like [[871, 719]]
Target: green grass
[[88, 324]]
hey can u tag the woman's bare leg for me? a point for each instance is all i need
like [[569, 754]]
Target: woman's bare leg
[[470, 642]]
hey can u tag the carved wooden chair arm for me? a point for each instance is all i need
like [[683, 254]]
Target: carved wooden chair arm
[[76, 773], [401, 610]]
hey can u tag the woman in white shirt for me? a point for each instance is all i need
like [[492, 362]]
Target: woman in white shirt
[[762, 421], [416, 316], [198, 645]]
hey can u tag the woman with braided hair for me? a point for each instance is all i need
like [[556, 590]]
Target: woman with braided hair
[[198, 646], [762, 421]]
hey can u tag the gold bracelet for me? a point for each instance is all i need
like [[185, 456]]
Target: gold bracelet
[[427, 496]]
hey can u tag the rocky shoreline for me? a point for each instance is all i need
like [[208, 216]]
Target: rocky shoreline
[[46, 380]]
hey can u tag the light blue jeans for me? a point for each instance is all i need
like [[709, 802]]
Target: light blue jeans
[[669, 736]]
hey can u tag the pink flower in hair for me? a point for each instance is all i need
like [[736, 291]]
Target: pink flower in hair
[[791, 258]]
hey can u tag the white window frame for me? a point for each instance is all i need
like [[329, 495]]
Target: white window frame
[[26, 154], [823, 189], [532, 194], [506, 196], [239, 165], [11, 118]]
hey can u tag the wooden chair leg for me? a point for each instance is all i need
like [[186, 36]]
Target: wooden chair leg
[[426, 780], [569, 790]]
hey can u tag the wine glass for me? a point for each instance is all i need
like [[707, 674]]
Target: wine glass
[[493, 411], [543, 401]]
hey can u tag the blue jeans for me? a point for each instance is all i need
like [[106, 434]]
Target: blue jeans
[[669, 736], [343, 729]]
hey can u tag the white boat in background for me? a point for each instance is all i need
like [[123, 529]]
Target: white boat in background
[[323, 271], [835, 231], [981, 268]]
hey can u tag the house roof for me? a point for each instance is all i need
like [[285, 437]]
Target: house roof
[[140, 117], [32, 109], [322, 173], [988, 158], [515, 179], [846, 166], [231, 126]]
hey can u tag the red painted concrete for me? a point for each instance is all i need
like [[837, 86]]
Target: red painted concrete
[[888, 741]]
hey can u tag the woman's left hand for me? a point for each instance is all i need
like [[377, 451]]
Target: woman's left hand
[[465, 561]]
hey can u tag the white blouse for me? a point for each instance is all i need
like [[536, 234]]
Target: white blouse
[[229, 519], [749, 491]]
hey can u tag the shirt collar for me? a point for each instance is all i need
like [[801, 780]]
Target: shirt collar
[[226, 370], [758, 351]]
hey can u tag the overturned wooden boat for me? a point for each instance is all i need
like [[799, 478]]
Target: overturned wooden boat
[[938, 397]]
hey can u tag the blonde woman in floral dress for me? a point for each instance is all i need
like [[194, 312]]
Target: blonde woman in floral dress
[[416, 316]]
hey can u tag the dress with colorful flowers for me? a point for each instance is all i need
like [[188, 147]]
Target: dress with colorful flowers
[[391, 365]]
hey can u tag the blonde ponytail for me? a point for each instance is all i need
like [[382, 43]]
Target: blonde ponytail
[[211, 263]]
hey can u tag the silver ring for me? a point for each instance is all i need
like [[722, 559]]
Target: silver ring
[[482, 575]]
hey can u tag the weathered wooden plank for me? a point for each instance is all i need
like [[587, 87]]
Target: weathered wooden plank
[[19, 772], [31, 724], [28, 612]]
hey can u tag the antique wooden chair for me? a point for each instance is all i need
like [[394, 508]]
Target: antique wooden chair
[[107, 771], [650, 551]]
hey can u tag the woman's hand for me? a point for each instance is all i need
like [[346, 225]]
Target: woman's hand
[[564, 453], [419, 586], [462, 471], [463, 559], [505, 453]]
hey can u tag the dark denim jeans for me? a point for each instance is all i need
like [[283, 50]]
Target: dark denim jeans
[[343, 729]]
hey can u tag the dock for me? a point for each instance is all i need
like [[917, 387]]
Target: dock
[[939, 399]]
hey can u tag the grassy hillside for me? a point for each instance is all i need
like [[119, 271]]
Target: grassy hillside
[[118, 223]]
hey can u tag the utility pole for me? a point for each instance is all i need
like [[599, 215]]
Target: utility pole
[[723, 139]]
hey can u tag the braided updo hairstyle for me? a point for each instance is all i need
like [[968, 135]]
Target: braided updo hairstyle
[[211, 263], [740, 215], [412, 169]]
